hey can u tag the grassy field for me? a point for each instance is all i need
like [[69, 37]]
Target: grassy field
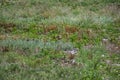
[[38, 39]]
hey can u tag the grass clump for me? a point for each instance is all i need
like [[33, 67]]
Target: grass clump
[[59, 39]]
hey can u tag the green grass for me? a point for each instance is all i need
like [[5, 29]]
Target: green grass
[[35, 33]]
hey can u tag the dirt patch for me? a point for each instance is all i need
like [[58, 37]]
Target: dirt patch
[[50, 28], [111, 47], [8, 27], [70, 29], [14, 37], [112, 9], [4, 49]]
